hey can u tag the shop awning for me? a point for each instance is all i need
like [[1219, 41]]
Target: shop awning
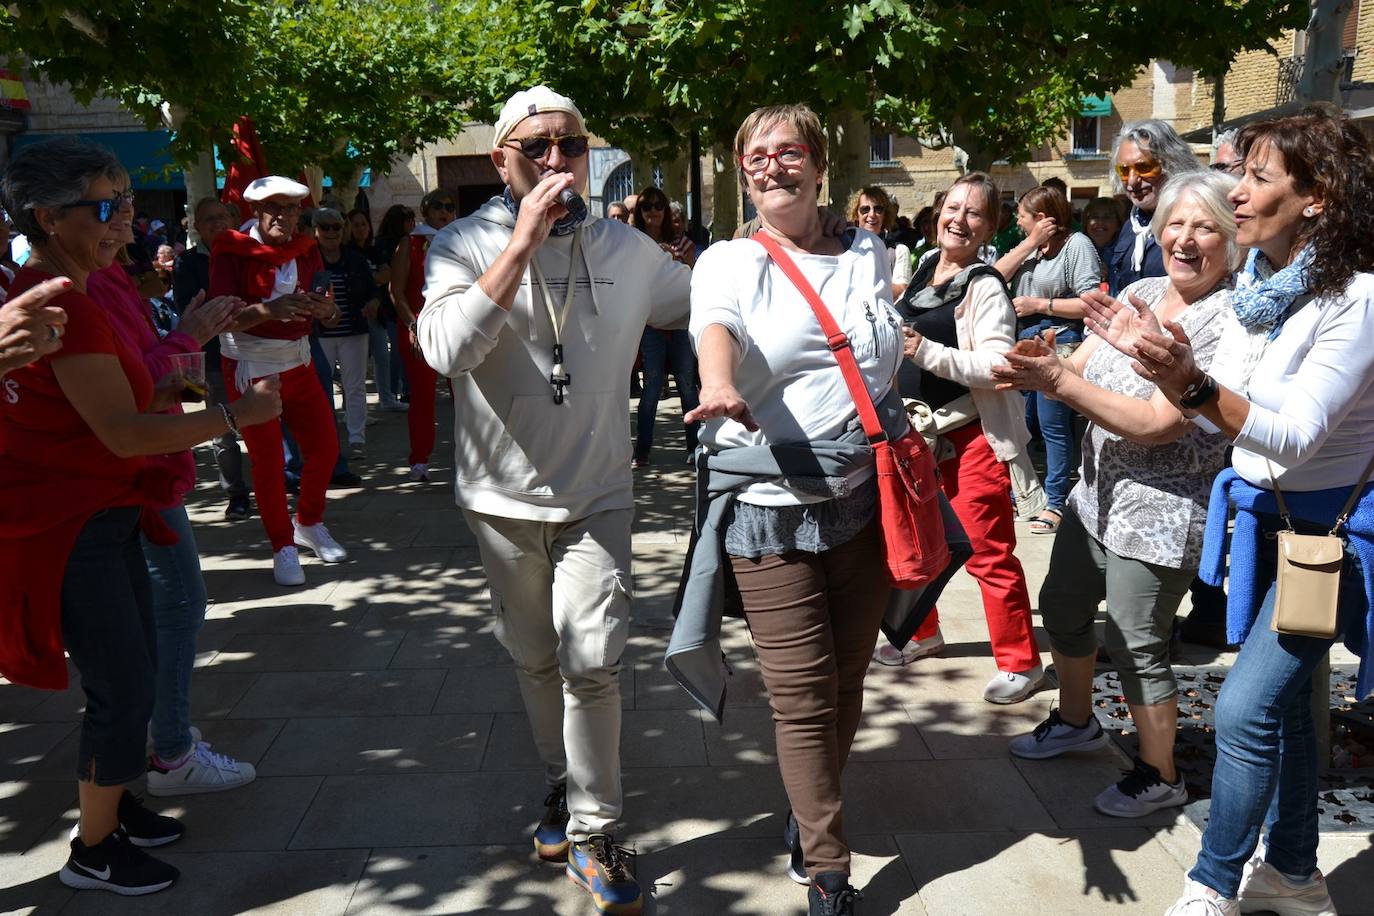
[[1095, 106], [143, 152]]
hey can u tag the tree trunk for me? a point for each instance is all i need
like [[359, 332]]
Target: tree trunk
[[1324, 59], [849, 155], [200, 182], [1218, 102], [725, 191], [675, 178]]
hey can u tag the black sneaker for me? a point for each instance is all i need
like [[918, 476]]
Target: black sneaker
[[551, 836], [115, 864], [796, 861], [143, 827], [831, 895], [238, 509]]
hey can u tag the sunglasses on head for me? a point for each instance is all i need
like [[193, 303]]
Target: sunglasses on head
[[1145, 168], [572, 146], [104, 209]]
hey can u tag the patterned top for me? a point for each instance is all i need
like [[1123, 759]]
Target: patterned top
[[1149, 502]]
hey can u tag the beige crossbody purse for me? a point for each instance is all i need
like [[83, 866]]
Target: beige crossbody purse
[[1309, 571]]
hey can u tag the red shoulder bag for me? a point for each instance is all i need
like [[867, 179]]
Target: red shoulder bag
[[914, 547]]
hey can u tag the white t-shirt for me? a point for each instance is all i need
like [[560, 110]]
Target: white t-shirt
[[1312, 396], [788, 375]]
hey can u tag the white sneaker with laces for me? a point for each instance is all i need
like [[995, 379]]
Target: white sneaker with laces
[[1263, 889], [286, 567], [887, 654], [419, 472], [1141, 791], [1013, 686], [203, 771], [1054, 736], [316, 537], [1200, 900]]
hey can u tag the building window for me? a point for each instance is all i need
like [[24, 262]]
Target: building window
[[619, 184], [880, 152], [1087, 134]]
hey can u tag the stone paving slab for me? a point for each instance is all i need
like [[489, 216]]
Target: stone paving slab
[[397, 773]]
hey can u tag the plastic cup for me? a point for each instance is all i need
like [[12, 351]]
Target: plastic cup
[[191, 368]]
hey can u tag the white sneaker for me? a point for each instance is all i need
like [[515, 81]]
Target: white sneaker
[[286, 567], [203, 771], [1141, 791], [316, 537], [1263, 889], [1200, 900], [195, 739], [887, 654], [1054, 736], [419, 472], [1013, 686]]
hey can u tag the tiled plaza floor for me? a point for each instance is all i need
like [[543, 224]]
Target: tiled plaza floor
[[397, 774]]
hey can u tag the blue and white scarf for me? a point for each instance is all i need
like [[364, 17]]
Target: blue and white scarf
[[564, 226], [1264, 296]]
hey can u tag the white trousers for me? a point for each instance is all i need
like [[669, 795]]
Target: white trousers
[[561, 595], [350, 355]]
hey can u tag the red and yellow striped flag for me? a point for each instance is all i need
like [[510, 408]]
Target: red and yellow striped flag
[[12, 92]]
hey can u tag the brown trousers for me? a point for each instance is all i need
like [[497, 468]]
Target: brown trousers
[[814, 620]]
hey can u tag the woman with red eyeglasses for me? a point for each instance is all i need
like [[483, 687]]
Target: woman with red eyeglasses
[[438, 209], [660, 349]]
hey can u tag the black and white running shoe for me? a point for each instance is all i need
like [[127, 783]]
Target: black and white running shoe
[[117, 865]]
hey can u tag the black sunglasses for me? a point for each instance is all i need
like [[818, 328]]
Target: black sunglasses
[[330, 227], [652, 205], [572, 146], [104, 209]]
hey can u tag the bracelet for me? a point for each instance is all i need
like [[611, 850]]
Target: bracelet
[[229, 419], [1051, 307], [1199, 393]]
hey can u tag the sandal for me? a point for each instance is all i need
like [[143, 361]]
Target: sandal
[[1047, 522]]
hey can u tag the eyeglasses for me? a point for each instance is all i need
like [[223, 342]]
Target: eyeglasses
[[1235, 167], [866, 209], [572, 146], [272, 208], [655, 205], [104, 209], [787, 157], [1145, 168]]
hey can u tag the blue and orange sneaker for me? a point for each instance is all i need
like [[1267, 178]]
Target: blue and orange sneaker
[[551, 836], [607, 872]]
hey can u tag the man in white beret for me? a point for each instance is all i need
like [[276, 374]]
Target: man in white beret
[[271, 268], [536, 313]]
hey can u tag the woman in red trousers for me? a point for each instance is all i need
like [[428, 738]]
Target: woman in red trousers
[[438, 209]]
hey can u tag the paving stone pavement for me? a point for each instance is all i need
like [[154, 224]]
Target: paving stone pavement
[[397, 773]]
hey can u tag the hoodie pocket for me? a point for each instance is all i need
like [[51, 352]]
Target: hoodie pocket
[[581, 444]]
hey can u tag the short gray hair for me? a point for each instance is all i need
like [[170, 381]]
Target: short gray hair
[[325, 213], [1209, 190], [54, 173], [1225, 138], [1161, 140]]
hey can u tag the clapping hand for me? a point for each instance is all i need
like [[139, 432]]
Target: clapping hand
[[911, 341], [1120, 325], [1166, 358], [203, 320], [1032, 365]]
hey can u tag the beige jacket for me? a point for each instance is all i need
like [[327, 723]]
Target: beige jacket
[[986, 326]]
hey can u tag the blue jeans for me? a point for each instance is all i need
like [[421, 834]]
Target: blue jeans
[[655, 347], [1266, 769], [379, 343], [178, 611], [1055, 419]]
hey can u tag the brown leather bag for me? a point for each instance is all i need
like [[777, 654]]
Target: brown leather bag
[[1307, 597]]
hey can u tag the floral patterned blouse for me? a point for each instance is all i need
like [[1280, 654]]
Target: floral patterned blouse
[[1149, 502]]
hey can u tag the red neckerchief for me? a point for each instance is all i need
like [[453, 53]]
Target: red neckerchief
[[243, 245]]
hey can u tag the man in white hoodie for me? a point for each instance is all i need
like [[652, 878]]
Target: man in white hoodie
[[536, 315]]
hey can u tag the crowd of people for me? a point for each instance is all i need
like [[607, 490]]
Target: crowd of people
[[1191, 348]]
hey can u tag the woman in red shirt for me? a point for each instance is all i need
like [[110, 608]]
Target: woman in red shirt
[[74, 491]]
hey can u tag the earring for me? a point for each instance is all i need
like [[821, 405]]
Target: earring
[[1308, 212]]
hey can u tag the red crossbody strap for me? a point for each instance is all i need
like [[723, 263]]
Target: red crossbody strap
[[834, 337]]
